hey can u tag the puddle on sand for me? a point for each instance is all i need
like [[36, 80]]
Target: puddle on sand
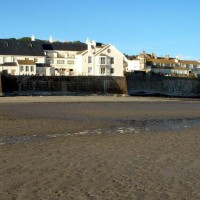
[[126, 127], [163, 124]]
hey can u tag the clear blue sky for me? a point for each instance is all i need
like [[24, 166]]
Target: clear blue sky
[[164, 27]]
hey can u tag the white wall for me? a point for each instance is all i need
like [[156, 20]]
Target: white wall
[[14, 58], [13, 70], [133, 65], [118, 61], [29, 72]]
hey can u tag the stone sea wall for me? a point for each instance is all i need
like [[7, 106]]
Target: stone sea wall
[[156, 85], [132, 84], [62, 84]]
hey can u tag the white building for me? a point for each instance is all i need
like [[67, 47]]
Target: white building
[[26, 67], [100, 60], [64, 59], [12, 50], [62, 56], [44, 70], [21, 67]]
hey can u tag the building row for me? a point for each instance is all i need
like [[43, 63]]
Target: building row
[[167, 66], [18, 57], [48, 58]]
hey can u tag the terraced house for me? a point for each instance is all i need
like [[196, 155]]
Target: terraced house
[[166, 65], [60, 58]]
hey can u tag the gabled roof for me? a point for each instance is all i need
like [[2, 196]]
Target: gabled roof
[[68, 46], [26, 62], [102, 49], [17, 47], [9, 64]]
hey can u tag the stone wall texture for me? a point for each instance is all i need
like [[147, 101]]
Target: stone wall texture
[[79, 84], [156, 85]]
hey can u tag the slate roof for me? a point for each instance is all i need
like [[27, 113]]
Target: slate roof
[[42, 65], [17, 47], [67, 46], [70, 46]]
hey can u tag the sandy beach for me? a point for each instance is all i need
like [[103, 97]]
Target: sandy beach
[[99, 147]]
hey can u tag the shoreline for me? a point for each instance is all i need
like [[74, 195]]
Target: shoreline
[[91, 99]]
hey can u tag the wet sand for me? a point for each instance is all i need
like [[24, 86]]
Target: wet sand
[[79, 148]]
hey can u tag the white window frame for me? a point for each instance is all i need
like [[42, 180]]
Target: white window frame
[[89, 59], [60, 62], [112, 60], [32, 68], [27, 68], [70, 62], [102, 58], [103, 70]]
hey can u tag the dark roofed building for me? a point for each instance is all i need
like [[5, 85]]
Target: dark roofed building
[[70, 46], [22, 48], [67, 46], [42, 65]]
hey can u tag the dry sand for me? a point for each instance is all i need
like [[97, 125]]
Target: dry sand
[[157, 163]]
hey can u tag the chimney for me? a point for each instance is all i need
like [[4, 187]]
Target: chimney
[[153, 55], [33, 38], [51, 39], [167, 57]]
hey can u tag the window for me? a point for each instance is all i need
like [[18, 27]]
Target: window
[[89, 59], [112, 70], [60, 62], [70, 62], [103, 70], [26, 58], [21, 68], [27, 68], [4, 59], [50, 61], [35, 59], [32, 68], [108, 50], [102, 60], [89, 69], [111, 60]]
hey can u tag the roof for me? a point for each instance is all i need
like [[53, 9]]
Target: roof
[[9, 64], [69, 46], [26, 62], [172, 68], [188, 62], [42, 65], [180, 68], [17, 47], [162, 60]]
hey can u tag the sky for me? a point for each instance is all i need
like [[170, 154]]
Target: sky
[[165, 27]]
